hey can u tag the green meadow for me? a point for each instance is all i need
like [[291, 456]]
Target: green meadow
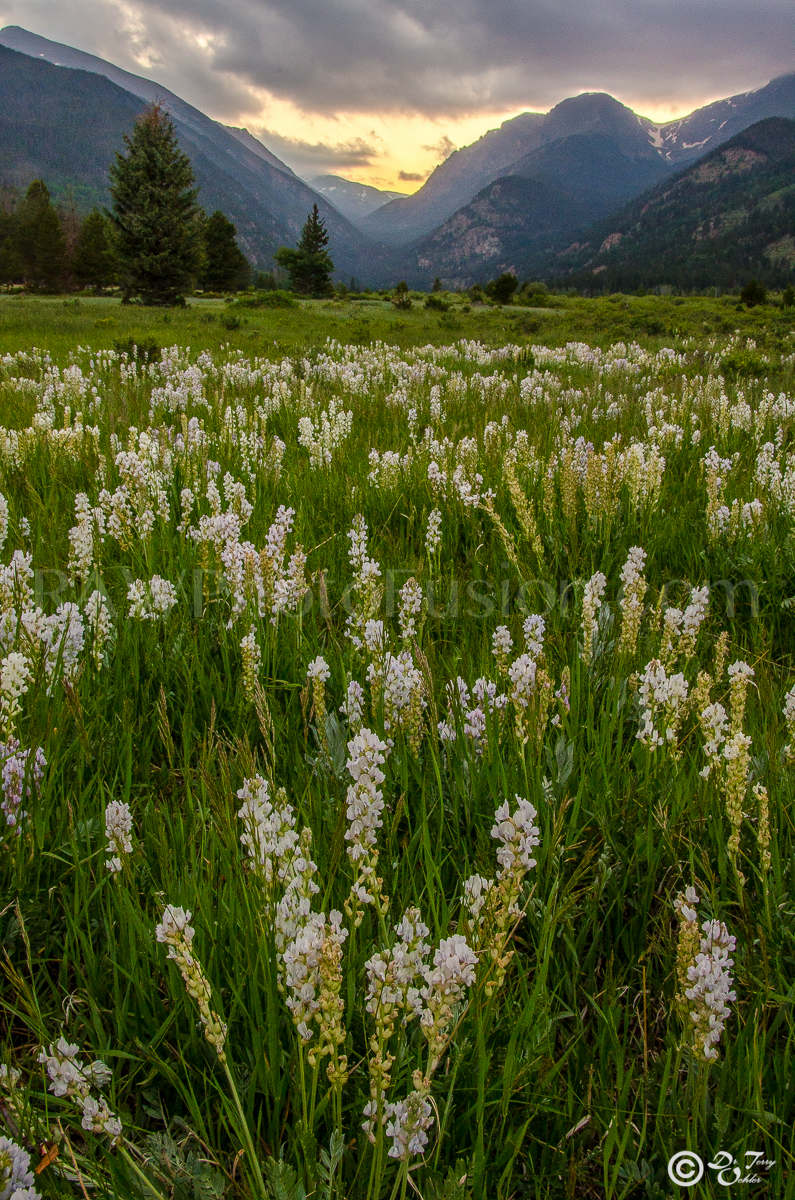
[[397, 714]]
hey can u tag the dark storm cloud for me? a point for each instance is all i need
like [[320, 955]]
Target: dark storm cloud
[[412, 176], [454, 56], [435, 57]]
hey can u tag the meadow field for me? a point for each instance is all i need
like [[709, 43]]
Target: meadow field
[[398, 750]]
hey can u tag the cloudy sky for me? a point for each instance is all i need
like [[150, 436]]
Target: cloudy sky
[[382, 90]]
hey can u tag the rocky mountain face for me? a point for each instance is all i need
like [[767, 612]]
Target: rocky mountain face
[[728, 217], [554, 190]]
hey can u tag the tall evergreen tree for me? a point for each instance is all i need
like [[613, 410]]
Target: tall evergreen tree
[[41, 246], [155, 215], [225, 267], [93, 263], [309, 264]]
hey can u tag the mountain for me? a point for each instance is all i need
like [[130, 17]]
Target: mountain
[[507, 222], [728, 217], [691, 137], [354, 200], [44, 134], [558, 188], [502, 152], [454, 182], [67, 56]]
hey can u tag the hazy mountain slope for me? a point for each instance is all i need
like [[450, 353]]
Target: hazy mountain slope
[[44, 132], [499, 152], [726, 218], [557, 188], [59, 55], [354, 200]]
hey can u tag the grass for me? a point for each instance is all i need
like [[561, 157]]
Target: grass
[[63, 324], [575, 1076]]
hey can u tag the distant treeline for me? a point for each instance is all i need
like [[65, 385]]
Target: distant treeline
[[54, 249]]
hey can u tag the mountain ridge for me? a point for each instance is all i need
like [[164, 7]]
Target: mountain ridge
[[450, 188], [727, 217], [267, 203]]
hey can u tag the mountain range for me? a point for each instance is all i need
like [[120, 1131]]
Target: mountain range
[[534, 196], [63, 116], [508, 151], [727, 217], [354, 200]]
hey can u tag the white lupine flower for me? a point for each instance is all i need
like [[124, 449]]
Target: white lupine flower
[[61, 637], [318, 669], [174, 927], [374, 636], [411, 598], [407, 1124], [685, 905], [740, 670], [98, 1118], [710, 990], [446, 981], [16, 578], [501, 642], [591, 605], [433, 531], [295, 905], [522, 674], [353, 707], [100, 628], [176, 932], [366, 587], [312, 978], [402, 688], [270, 836], [714, 722], [518, 836], [476, 892], [533, 628], [71, 1077], [633, 592], [661, 695], [3, 520], [364, 807], [21, 772], [149, 601], [393, 974], [118, 828], [301, 959], [14, 680], [16, 1178], [321, 439]]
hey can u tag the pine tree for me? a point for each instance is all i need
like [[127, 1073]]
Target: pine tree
[[41, 245], [93, 262], [225, 267], [155, 216], [309, 264]]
